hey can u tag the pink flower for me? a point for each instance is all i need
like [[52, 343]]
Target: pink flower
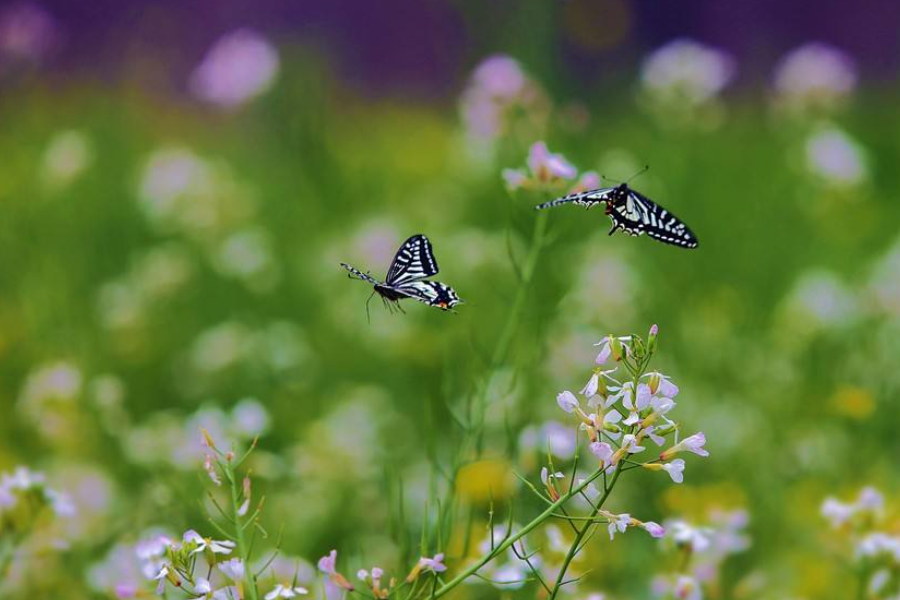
[[546, 165], [327, 564], [654, 529], [435, 565], [619, 524], [589, 180], [693, 444], [239, 66], [27, 32], [515, 179]]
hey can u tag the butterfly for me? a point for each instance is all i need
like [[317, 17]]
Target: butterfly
[[633, 213], [413, 262]]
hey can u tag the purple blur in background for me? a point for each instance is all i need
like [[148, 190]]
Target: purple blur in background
[[426, 48]]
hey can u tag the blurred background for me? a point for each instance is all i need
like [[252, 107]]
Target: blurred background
[[179, 181]]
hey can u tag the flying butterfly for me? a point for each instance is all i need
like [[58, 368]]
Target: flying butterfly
[[633, 213], [413, 262]]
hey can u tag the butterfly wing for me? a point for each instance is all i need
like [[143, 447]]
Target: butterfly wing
[[413, 261], [585, 199], [638, 214], [432, 293], [359, 274]]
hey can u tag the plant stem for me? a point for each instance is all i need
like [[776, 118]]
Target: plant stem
[[512, 539], [573, 549], [239, 537], [501, 351], [515, 312], [504, 342]]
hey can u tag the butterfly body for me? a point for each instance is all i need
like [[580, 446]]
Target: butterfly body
[[406, 277], [633, 213]]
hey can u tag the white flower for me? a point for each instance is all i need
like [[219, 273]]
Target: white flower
[[837, 512], [609, 423], [153, 547], [435, 565], [602, 450], [161, 577], [233, 568], [675, 469], [226, 593], [67, 155], [606, 348], [546, 476], [215, 546], [813, 74], [630, 445], [870, 499], [685, 70], [618, 524], [835, 157], [60, 502], [643, 397], [590, 388], [202, 586], [684, 534], [692, 443], [656, 439], [567, 401], [878, 543], [661, 385], [590, 490], [286, 590]]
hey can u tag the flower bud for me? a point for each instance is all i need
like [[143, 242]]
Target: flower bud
[[638, 347], [207, 439], [651, 339]]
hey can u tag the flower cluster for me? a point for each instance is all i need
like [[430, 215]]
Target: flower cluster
[[240, 66], [814, 75], [863, 525], [206, 567], [177, 563], [685, 72], [499, 96], [621, 416], [834, 158], [23, 494], [25, 501], [548, 171], [699, 551]]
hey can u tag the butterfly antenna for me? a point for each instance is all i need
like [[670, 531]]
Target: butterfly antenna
[[641, 172], [605, 178]]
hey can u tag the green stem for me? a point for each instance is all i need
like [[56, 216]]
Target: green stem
[[514, 316], [501, 350], [512, 539], [239, 537], [515, 312], [573, 549]]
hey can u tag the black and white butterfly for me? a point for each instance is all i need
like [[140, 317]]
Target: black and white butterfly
[[633, 213], [413, 262]]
